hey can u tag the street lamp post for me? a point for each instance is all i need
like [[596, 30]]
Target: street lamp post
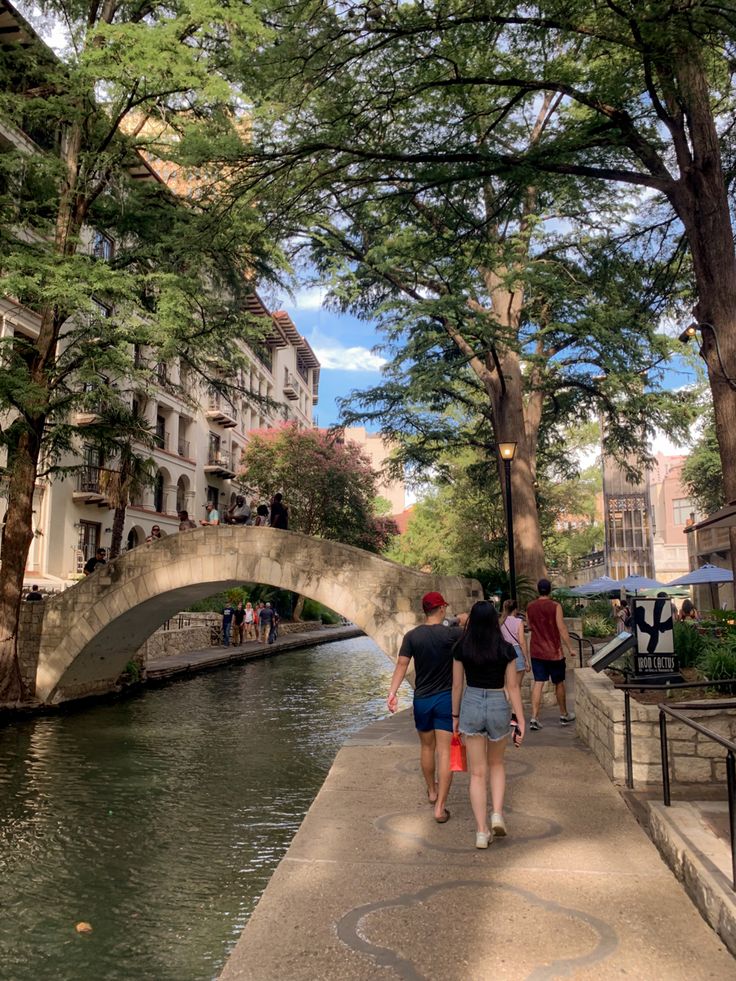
[[508, 451]]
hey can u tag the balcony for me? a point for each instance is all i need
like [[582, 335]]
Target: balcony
[[291, 385], [85, 418], [92, 484], [182, 448], [221, 412], [220, 465], [161, 440]]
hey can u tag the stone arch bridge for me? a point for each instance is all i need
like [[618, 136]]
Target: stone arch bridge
[[88, 633]]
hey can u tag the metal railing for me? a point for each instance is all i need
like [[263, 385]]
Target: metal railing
[[628, 687], [177, 623], [183, 447], [678, 714], [580, 641], [93, 480], [161, 440]]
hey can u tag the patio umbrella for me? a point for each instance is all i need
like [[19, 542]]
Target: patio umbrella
[[634, 583], [706, 575], [603, 584]]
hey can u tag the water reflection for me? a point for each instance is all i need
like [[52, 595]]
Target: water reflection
[[160, 819]]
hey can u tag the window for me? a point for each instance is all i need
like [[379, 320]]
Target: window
[[682, 507], [214, 448], [102, 246], [158, 493], [160, 438]]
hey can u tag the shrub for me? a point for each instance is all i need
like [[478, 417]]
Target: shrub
[[595, 625], [689, 644], [718, 662]]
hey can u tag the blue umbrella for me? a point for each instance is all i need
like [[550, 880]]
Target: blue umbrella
[[603, 584], [704, 576], [634, 583]]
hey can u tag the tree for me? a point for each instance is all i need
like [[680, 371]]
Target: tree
[[702, 474], [140, 83], [642, 93], [493, 292], [328, 485], [458, 522]]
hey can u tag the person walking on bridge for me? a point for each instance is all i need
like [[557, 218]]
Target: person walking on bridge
[[549, 634], [430, 645]]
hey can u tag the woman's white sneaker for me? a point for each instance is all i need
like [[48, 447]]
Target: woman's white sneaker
[[498, 825], [565, 720], [535, 724], [483, 839]]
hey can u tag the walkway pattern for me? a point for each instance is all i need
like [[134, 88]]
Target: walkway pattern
[[371, 888], [89, 632]]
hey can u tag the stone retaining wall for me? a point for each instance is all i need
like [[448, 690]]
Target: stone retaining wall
[[600, 724], [196, 636]]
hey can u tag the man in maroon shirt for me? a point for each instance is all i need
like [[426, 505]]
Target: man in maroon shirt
[[549, 633]]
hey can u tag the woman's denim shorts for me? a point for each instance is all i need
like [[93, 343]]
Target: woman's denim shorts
[[485, 711], [520, 662]]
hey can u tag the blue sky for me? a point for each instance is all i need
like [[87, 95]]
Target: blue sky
[[343, 346]]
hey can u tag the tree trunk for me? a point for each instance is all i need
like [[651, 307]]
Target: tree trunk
[[18, 532], [510, 425], [298, 608], [701, 200], [118, 523], [16, 542]]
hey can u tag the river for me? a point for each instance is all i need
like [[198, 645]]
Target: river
[[159, 819]]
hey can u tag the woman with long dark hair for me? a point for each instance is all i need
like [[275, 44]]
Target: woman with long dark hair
[[482, 713]]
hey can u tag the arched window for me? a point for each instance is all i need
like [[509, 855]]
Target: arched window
[[182, 488], [158, 492]]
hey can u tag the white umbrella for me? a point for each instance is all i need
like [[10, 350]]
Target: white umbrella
[[704, 576], [633, 583], [603, 584]]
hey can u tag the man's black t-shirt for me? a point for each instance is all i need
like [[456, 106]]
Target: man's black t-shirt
[[430, 644], [265, 616], [91, 564], [491, 674]]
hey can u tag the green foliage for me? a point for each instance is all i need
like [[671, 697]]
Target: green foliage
[[718, 662], [496, 583], [702, 474], [458, 523], [328, 485], [595, 625], [689, 643], [316, 611]]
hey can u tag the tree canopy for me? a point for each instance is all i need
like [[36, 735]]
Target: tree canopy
[[328, 485]]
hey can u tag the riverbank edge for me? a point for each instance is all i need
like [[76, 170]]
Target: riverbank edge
[[164, 670]]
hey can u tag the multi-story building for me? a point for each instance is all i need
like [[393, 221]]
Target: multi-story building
[[644, 523], [378, 450], [198, 441]]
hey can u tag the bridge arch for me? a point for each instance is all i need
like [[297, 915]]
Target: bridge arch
[[90, 631]]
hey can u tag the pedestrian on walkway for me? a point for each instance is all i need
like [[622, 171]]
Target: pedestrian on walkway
[[239, 621], [482, 713], [250, 621], [279, 512], [185, 522], [549, 635], [227, 623], [430, 645], [34, 595], [512, 628], [265, 622]]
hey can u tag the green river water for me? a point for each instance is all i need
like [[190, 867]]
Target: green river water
[[160, 818]]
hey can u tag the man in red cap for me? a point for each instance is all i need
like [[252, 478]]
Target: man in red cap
[[430, 644]]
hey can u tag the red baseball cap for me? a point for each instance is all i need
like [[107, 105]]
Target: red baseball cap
[[432, 601]]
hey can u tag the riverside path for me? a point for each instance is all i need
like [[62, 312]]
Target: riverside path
[[372, 888]]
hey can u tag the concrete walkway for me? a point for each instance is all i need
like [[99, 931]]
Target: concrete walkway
[[191, 662], [372, 888]]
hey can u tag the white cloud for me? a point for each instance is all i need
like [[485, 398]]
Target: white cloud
[[334, 357], [309, 299]]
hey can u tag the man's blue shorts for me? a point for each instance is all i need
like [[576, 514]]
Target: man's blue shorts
[[433, 712], [553, 671]]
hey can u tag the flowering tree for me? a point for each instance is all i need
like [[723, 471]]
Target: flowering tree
[[328, 485]]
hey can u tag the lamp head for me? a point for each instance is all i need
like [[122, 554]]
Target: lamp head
[[507, 450], [688, 334]]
